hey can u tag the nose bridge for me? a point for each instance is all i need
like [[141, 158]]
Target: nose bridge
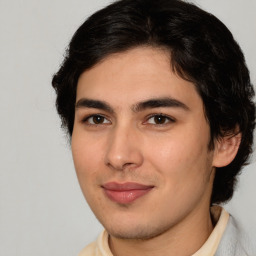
[[123, 148]]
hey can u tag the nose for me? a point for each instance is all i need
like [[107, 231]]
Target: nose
[[124, 149]]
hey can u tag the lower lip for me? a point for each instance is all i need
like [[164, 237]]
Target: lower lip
[[127, 196]]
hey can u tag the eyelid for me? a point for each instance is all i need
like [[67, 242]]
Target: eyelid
[[86, 118], [170, 119]]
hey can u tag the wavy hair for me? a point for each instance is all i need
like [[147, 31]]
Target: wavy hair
[[202, 50]]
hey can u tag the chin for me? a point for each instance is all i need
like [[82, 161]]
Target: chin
[[137, 232]]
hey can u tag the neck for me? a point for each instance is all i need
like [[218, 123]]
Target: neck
[[183, 239]]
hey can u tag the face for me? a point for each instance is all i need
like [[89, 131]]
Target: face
[[140, 144]]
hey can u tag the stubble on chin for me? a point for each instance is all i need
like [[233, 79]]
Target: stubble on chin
[[140, 233]]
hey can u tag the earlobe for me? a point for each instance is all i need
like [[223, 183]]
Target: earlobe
[[226, 149]]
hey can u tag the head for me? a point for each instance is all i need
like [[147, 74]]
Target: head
[[201, 52]]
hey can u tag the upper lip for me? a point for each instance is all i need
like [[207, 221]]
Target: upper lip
[[125, 186]]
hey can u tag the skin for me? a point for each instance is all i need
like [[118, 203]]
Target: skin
[[125, 143]]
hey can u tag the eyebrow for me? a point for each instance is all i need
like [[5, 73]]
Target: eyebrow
[[158, 103], [89, 103], [138, 107]]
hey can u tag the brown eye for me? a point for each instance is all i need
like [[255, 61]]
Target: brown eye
[[159, 120], [96, 120]]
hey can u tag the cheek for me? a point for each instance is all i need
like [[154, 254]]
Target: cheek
[[179, 152], [87, 166], [181, 156], [85, 159], [184, 171]]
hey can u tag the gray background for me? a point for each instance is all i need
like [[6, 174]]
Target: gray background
[[42, 211]]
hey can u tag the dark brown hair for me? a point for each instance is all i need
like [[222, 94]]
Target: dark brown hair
[[201, 49]]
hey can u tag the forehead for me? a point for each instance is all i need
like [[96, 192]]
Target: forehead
[[135, 75]]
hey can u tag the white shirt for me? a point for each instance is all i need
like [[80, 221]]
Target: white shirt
[[101, 247]]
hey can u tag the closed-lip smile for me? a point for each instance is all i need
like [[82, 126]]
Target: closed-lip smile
[[125, 193]]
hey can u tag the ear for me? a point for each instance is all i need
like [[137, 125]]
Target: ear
[[226, 149]]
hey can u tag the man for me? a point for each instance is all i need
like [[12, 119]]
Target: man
[[157, 100]]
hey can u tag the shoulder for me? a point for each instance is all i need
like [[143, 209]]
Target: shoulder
[[235, 241], [98, 248], [89, 250]]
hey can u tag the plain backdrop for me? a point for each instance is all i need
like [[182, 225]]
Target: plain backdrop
[[42, 210]]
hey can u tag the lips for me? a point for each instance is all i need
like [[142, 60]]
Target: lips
[[125, 193]]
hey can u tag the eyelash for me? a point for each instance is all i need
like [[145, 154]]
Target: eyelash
[[85, 120], [166, 117]]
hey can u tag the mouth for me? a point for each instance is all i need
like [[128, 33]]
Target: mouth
[[125, 193]]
